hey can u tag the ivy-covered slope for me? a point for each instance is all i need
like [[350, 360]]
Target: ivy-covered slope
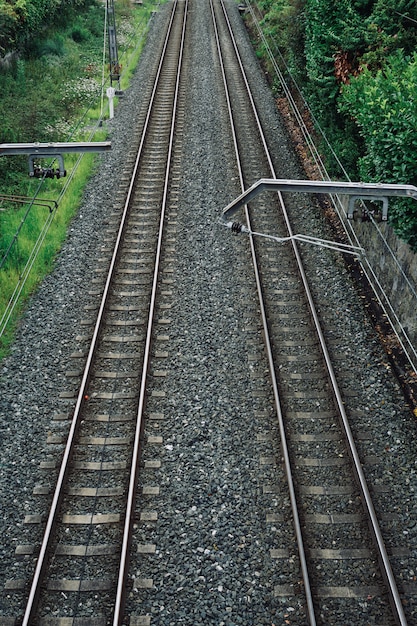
[[357, 63], [22, 21]]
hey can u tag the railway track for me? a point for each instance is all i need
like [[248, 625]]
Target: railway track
[[92, 512], [146, 470], [327, 491]]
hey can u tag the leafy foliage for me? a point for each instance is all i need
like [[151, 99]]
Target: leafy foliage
[[22, 22], [283, 23], [384, 106], [360, 79]]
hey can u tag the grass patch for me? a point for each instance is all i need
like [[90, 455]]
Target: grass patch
[[55, 95]]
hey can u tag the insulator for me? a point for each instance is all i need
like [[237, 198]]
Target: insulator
[[47, 172], [236, 227]]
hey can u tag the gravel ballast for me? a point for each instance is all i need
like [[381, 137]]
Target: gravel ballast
[[212, 539]]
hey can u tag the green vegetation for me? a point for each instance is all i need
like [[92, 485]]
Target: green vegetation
[[384, 107], [356, 63], [51, 90], [24, 22]]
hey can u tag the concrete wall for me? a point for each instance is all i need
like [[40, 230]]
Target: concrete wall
[[398, 279]]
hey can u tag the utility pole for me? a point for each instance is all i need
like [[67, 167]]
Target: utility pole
[[115, 68]]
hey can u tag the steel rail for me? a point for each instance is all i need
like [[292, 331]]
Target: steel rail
[[124, 558], [383, 558], [42, 561], [277, 400]]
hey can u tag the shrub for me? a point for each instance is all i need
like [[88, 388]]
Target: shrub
[[80, 34], [52, 47], [23, 22], [384, 107]]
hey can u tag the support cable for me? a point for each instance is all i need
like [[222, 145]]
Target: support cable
[[236, 227]]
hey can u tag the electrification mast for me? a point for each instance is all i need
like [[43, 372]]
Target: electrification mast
[[113, 53]]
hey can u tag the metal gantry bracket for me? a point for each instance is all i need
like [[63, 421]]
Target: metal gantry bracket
[[50, 204], [357, 191], [51, 150]]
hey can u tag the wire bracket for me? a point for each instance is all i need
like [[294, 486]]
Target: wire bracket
[[383, 199], [373, 191], [50, 151]]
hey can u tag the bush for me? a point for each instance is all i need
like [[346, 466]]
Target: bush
[[384, 107], [80, 34], [356, 63], [51, 47], [24, 22]]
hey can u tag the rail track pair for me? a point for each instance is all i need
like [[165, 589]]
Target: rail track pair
[[82, 574]]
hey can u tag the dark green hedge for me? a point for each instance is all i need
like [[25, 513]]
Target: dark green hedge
[[384, 107], [357, 63]]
